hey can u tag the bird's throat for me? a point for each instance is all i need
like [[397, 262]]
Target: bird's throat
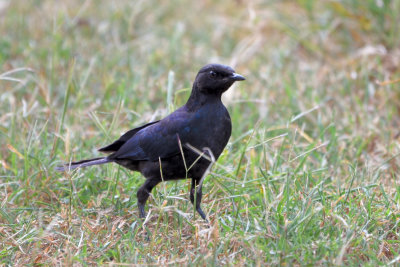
[[198, 99]]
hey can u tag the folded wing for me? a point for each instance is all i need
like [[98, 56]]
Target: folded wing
[[159, 140], [122, 140]]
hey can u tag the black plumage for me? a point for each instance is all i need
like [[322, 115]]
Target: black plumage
[[202, 123]]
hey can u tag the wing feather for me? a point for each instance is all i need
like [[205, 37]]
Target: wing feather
[[116, 145], [159, 140]]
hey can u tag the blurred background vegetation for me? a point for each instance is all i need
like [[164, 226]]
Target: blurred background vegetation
[[310, 176]]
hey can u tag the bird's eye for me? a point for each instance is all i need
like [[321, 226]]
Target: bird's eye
[[213, 74]]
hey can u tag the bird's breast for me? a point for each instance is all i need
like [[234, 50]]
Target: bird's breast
[[211, 127]]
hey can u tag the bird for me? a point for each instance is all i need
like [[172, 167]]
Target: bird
[[183, 145]]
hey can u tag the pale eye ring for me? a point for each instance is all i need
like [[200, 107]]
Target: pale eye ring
[[213, 74]]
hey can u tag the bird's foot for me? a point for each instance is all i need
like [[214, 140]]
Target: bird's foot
[[202, 214], [142, 213]]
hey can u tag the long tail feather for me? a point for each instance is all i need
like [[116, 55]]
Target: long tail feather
[[82, 163]]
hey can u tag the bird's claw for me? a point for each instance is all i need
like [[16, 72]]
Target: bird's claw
[[202, 214], [142, 213]]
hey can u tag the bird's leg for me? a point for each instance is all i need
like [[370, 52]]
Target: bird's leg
[[143, 194], [196, 202]]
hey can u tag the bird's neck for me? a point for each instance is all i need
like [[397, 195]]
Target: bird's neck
[[198, 99]]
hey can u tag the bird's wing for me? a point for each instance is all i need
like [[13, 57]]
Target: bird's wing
[[159, 140], [125, 137]]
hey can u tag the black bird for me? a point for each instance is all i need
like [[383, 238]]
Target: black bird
[[166, 149]]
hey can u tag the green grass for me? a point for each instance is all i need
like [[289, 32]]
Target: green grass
[[309, 177]]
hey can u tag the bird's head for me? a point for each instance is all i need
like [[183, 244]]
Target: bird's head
[[216, 79]]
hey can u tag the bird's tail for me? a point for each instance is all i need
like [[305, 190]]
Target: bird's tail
[[82, 163]]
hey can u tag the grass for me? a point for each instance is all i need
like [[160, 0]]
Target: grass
[[309, 177]]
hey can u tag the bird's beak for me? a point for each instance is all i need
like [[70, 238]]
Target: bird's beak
[[237, 77]]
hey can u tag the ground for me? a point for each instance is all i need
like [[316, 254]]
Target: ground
[[309, 177]]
